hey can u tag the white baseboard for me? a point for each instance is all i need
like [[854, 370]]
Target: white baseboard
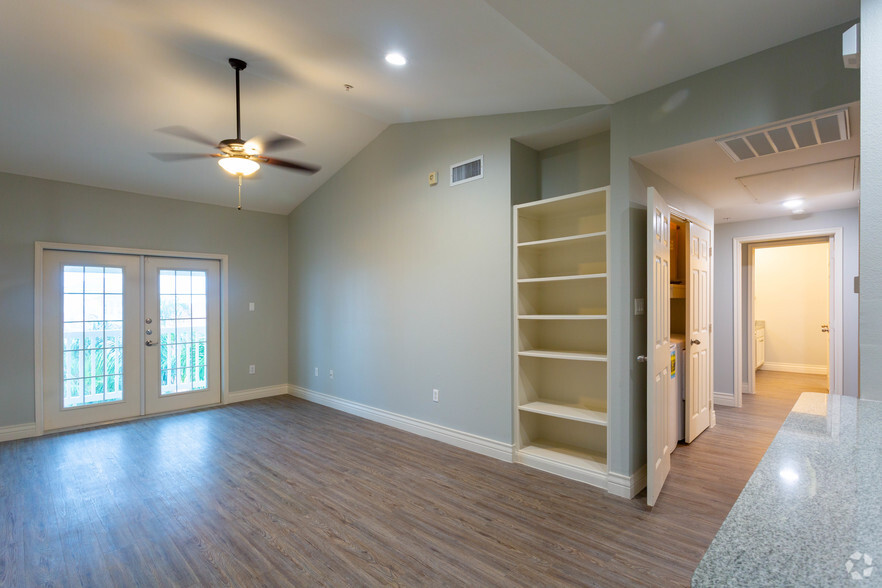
[[255, 393], [745, 388], [475, 443], [562, 469], [626, 486], [723, 399], [13, 432], [796, 368]]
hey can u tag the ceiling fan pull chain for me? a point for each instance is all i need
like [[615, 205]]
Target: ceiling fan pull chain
[[240, 192]]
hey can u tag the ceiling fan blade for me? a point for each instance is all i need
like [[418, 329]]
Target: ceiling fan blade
[[180, 156], [189, 134], [273, 142], [294, 165]]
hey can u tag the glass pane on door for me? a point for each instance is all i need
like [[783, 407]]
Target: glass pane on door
[[92, 356], [183, 362]]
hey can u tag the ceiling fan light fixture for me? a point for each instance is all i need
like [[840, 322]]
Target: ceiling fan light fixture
[[238, 165]]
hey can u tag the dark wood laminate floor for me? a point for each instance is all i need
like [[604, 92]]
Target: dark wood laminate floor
[[281, 492]]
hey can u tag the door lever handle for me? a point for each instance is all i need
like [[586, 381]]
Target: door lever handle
[[149, 343], [695, 341], [641, 359]]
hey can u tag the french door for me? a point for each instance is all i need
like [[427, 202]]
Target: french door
[[127, 335], [181, 333]]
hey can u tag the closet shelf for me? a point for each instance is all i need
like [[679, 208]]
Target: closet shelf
[[563, 355], [566, 411], [561, 278], [566, 454], [544, 244]]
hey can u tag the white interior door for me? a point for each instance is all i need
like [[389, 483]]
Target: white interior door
[[181, 333], [698, 376], [91, 338], [658, 356]]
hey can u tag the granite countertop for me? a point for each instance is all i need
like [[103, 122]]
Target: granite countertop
[[811, 513]]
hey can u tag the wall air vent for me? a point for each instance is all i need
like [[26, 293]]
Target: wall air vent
[[467, 171], [819, 129]]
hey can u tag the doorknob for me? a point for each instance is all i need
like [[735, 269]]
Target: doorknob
[[149, 343], [825, 328], [695, 341], [641, 359]]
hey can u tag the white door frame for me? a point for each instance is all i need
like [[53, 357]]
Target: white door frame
[[834, 236], [40, 246]]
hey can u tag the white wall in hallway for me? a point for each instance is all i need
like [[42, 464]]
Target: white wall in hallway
[[792, 296]]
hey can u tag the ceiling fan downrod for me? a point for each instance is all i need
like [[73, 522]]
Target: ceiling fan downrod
[[238, 65]]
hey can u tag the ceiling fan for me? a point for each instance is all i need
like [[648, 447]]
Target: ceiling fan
[[239, 157]]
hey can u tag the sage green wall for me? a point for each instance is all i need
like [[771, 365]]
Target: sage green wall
[[803, 76], [41, 210], [401, 287], [575, 166], [871, 200], [524, 174]]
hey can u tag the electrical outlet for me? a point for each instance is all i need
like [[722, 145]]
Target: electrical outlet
[[434, 394], [252, 369], [331, 374], [316, 370], [251, 306]]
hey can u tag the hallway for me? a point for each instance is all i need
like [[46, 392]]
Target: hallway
[[786, 384]]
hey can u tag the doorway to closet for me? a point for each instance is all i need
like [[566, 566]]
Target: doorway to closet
[[679, 401], [122, 335]]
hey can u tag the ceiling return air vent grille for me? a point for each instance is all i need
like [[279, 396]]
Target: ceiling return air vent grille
[[826, 127], [467, 171]]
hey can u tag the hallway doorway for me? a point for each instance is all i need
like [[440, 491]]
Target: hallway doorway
[[790, 297], [752, 344]]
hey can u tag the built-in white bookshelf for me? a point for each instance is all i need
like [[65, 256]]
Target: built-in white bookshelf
[[561, 291]]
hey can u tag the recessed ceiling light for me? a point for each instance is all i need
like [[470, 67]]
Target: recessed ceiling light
[[798, 211], [793, 203], [396, 58]]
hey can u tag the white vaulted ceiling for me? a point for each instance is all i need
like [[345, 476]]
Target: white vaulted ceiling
[[85, 84]]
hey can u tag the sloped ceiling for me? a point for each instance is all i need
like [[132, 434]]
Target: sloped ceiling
[[85, 84]]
